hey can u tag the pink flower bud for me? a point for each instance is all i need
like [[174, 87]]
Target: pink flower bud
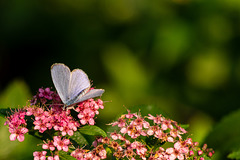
[[191, 153], [200, 152]]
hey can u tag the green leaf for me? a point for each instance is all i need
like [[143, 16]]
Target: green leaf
[[234, 155], [86, 135], [78, 139], [206, 157], [184, 126], [109, 154], [225, 138], [92, 131], [6, 112], [64, 156]]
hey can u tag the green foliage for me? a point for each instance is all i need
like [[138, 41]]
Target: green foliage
[[64, 156], [206, 158], [185, 126], [86, 135], [79, 140], [234, 155], [92, 131], [225, 136], [6, 112]]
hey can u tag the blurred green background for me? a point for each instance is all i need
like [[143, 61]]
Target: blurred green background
[[179, 55]]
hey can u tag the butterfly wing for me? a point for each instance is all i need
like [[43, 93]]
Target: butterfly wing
[[72, 86], [91, 94], [78, 83], [61, 78]]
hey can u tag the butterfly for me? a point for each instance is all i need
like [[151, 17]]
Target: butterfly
[[72, 87]]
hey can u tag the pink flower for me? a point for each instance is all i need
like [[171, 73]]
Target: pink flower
[[121, 122], [40, 125], [46, 93], [131, 126], [86, 119], [56, 118], [150, 132], [159, 134], [129, 115], [78, 153], [17, 125], [133, 132], [61, 144], [56, 157], [170, 150], [49, 146], [30, 110], [170, 139], [87, 111], [191, 153], [40, 155], [18, 133], [141, 150], [200, 152], [100, 103], [114, 136], [140, 122], [210, 154], [157, 119], [163, 130], [103, 154], [69, 127], [39, 113], [166, 124], [16, 119]]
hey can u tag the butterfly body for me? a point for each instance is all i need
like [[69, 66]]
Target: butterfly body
[[72, 87]]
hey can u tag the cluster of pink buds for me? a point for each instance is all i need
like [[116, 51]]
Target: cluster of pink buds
[[138, 135], [45, 95], [17, 125]]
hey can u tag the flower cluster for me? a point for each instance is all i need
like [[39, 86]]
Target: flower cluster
[[163, 129], [54, 118], [56, 144], [17, 125], [136, 137], [45, 95], [143, 138], [47, 115], [88, 109], [97, 153]]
